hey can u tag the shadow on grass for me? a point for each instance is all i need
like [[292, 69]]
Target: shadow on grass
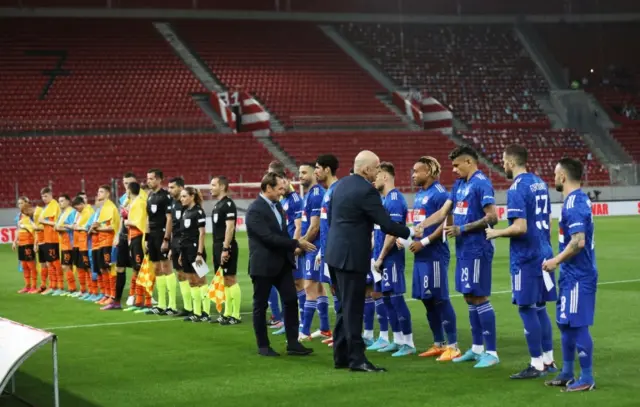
[[32, 391]]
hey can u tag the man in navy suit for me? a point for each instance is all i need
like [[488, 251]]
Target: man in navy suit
[[355, 207], [271, 264]]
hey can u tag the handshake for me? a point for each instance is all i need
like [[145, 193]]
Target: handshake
[[305, 246]]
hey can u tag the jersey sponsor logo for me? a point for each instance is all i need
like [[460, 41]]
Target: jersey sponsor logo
[[323, 213], [187, 223], [286, 206], [304, 216], [178, 214], [419, 215], [462, 208], [560, 235], [154, 208], [425, 200], [327, 198]]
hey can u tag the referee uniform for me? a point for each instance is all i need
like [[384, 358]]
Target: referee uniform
[[158, 205], [123, 259], [191, 221], [223, 211], [177, 211]]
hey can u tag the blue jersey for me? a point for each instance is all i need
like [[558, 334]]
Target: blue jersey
[[469, 199], [123, 199], [396, 207], [312, 202], [427, 202], [377, 245], [528, 198], [576, 217], [292, 207], [324, 217]]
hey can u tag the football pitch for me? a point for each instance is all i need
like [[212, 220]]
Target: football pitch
[[119, 359]]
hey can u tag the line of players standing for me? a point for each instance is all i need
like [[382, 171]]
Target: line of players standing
[[468, 213]]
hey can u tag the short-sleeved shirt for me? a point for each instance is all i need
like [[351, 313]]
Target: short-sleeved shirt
[[427, 202], [158, 204], [396, 206], [176, 210], [576, 217], [190, 223], [292, 207], [325, 208], [528, 198], [469, 199], [224, 210], [311, 206]]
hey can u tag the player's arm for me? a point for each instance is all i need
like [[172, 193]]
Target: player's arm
[[375, 211], [438, 216], [298, 228], [575, 245], [230, 225], [47, 222], [389, 242], [167, 227], [314, 221], [516, 211], [490, 218], [202, 223]]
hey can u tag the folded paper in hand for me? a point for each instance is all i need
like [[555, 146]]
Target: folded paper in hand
[[201, 270]]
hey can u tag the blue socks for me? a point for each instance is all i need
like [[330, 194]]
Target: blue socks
[[568, 337], [336, 304], [546, 331], [532, 331], [302, 296], [448, 318], [585, 353], [274, 304], [487, 318], [435, 321], [476, 327], [392, 314], [369, 310], [323, 312], [404, 316], [309, 310], [383, 317]]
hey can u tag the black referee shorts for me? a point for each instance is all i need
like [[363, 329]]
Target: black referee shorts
[[124, 257], [50, 252], [230, 268], [155, 239], [136, 253], [189, 254], [26, 253]]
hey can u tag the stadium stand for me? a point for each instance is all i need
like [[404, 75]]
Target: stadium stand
[[108, 75], [545, 148], [629, 138], [400, 148], [298, 73], [31, 162], [479, 71]]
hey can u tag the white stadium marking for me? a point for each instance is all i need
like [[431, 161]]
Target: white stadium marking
[[143, 321]]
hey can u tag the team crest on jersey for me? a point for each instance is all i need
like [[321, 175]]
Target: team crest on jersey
[[286, 207], [187, 223], [425, 200], [462, 208], [323, 213], [304, 216], [178, 214], [419, 215], [154, 208], [215, 218], [327, 198]]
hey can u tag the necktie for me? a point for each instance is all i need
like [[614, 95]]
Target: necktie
[[277, 213]]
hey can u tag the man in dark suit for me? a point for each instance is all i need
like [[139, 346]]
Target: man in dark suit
[[355, 207], [271, 264]]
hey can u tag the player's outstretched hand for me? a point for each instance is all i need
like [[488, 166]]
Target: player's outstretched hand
[[377, 265], [306, 246], [415, 247], [491, 233], [452, 231], [418, 231]]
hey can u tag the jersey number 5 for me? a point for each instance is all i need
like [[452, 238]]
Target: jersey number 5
[[541, 208]]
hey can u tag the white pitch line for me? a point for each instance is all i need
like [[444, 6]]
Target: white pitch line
[[249, 313]]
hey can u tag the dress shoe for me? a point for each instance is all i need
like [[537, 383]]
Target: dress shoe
[[298, 350], [367, 367], [267, 352]]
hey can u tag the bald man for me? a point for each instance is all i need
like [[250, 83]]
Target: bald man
[[355, 207]]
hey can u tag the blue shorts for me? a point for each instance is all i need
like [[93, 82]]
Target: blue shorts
[[313, 272], [393, 280], [473, 276], [550, 296], [430, 280], [576, 305], [526, 288], [298, 272]]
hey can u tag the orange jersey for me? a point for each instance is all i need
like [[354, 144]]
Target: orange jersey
[[26, 235], [109, 218], [80, 238], [65, 241], [105, 239], [134, 232], [36, 220], [51, 213]]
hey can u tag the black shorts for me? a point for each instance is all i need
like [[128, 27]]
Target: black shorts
[[81, 258], [175, 255], [26, 253], [104, 259], [124, 256], [230, 268], [67, 258], [136, 254], [155, 239], [189, 254], [49, 252]]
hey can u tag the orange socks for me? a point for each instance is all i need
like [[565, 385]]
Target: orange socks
[[44, 272], [82, 277], [132, 287], [71, 281], [26, 274]]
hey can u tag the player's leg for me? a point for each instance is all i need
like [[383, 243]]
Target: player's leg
[[44, 270], [311, 291], [369, 312], [204, 295], [53, 262], [298, 275], [323, 303], [581, 318], [25, 253], [394, 270], [446, 311], [105, 274], [481, 284], [568, 337], [383, 322], [276, 314], [464, 278], [136, 254], [546, 328], [182, 281], [230, 271], [423, 276]]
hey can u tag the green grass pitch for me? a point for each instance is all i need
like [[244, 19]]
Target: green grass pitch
[[119, 359]]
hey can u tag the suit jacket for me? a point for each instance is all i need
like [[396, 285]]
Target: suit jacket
[[270, 247], [355, 207]]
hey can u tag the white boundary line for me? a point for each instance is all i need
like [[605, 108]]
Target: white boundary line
[[143, 321]]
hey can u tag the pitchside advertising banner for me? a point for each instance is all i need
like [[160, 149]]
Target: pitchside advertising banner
[[617, 208]]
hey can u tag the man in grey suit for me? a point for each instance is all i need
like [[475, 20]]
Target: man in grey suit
[[355, 208], [271, 263]]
